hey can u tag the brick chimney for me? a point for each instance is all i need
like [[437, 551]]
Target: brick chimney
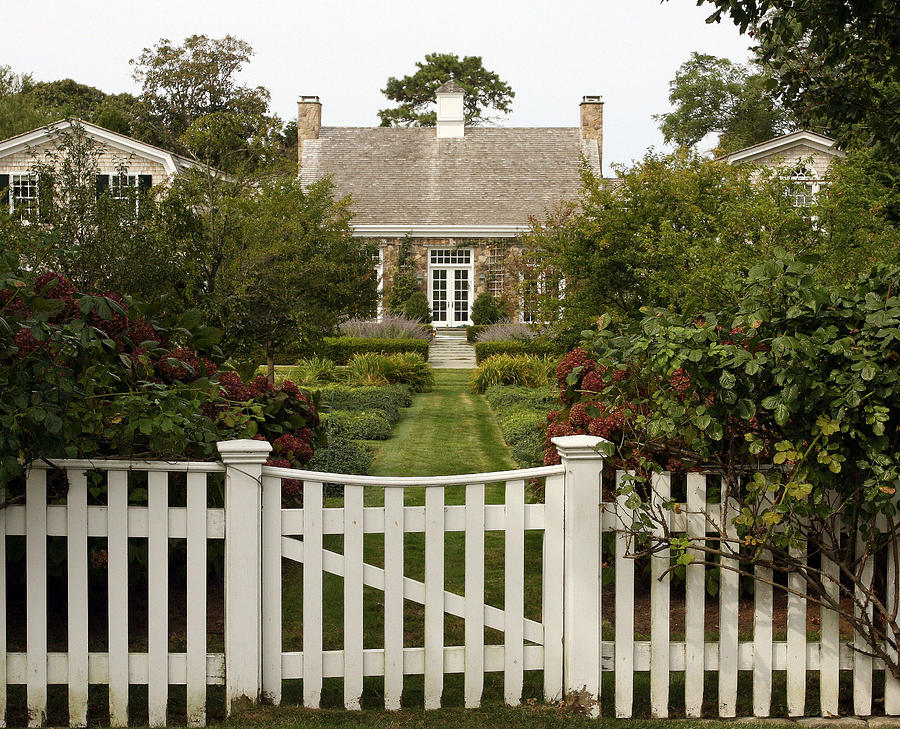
[[592, 121], [450, 116], [309, 122]]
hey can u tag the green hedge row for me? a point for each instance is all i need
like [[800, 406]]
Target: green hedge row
[[342, 455], [505, 398], [522, 415], [388, 399], [340, 349], [473, 330], [540, 347], [365, 425]]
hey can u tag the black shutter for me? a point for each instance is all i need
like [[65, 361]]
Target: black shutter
[[145, 182], [4, 190], [102, 184], [45, 197]]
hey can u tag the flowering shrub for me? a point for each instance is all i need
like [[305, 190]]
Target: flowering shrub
[[90, 376], [792, 396], [388, 327], [506, 331]]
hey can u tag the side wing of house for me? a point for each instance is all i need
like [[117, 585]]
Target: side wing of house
[[122, 162]]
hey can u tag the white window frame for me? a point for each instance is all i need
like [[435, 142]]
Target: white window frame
[[378, 264], [32, 207], [812, 185], [116, 189], [452, 259]]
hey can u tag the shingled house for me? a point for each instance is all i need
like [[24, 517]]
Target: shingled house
[[463, 194], [122, 162]]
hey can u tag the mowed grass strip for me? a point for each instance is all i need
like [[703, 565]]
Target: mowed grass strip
[[447, 431]]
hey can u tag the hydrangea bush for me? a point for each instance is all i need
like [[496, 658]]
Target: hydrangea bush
[[93, 376]]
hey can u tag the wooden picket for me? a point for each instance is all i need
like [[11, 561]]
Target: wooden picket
[[566, 643]]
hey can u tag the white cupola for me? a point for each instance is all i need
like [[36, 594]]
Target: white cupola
[[450, 116]]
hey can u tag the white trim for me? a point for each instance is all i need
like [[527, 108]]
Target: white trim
[[773, 146], [112, 139], [398, 230]]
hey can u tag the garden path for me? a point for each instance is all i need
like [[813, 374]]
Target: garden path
[[447, 431], [450, 350]]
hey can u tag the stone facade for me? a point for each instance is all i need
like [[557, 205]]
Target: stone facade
[[492, 266]]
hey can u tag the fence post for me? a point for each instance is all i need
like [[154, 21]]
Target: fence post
[[581, 571], [243, 461]]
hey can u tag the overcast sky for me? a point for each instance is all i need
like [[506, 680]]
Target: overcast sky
[[343, 51]]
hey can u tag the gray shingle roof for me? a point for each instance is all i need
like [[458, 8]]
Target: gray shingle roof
[[492, 176], [450, 87]]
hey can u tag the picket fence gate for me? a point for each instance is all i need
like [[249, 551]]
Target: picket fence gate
[[566, 644]]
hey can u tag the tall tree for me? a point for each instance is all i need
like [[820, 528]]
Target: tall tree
[[713, 95], [298, 271], [485, 91], [836, 63], [180, 84]]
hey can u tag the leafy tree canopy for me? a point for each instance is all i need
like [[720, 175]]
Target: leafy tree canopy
[[672, 227], [485, 91], [835, 63], [716, 96], [181, 83]]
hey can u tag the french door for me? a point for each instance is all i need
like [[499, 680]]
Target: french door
[[450, 278]]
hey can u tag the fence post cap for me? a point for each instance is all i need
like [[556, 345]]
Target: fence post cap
[[579, 447], [244, 450]]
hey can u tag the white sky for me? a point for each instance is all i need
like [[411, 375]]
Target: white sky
[[344, 50]]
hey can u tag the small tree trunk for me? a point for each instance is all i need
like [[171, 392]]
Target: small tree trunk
[[270, 360]]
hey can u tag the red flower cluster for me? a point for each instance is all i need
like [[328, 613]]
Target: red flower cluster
[[54, 286], [297, 447], [233, 387]]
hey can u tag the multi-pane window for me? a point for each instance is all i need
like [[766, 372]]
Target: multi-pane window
[[23, 197], [496, 273], [803, 187], [451, 256], [122, 186]]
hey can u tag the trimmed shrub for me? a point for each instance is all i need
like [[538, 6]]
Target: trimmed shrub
[[342, 455], [473, 330], [507, 369], [523, 430], [341, 349], [366, 425], [388, 399], [539, 347], [485, 309], [381, 369], [390, 327], [506, 398], [506, 331]]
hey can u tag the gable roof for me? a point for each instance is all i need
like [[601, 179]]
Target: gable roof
[[171, 162], [782, 145], [490, 178], [450, 87]]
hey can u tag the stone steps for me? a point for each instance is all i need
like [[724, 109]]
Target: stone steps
[[451, 351]]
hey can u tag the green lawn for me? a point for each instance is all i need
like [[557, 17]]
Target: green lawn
[[446, 431]]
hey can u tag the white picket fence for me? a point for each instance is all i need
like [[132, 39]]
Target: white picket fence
[[565, 644]]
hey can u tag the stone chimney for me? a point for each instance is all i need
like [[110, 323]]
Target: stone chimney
[[592, 121], [309, 122], [450, 117]]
